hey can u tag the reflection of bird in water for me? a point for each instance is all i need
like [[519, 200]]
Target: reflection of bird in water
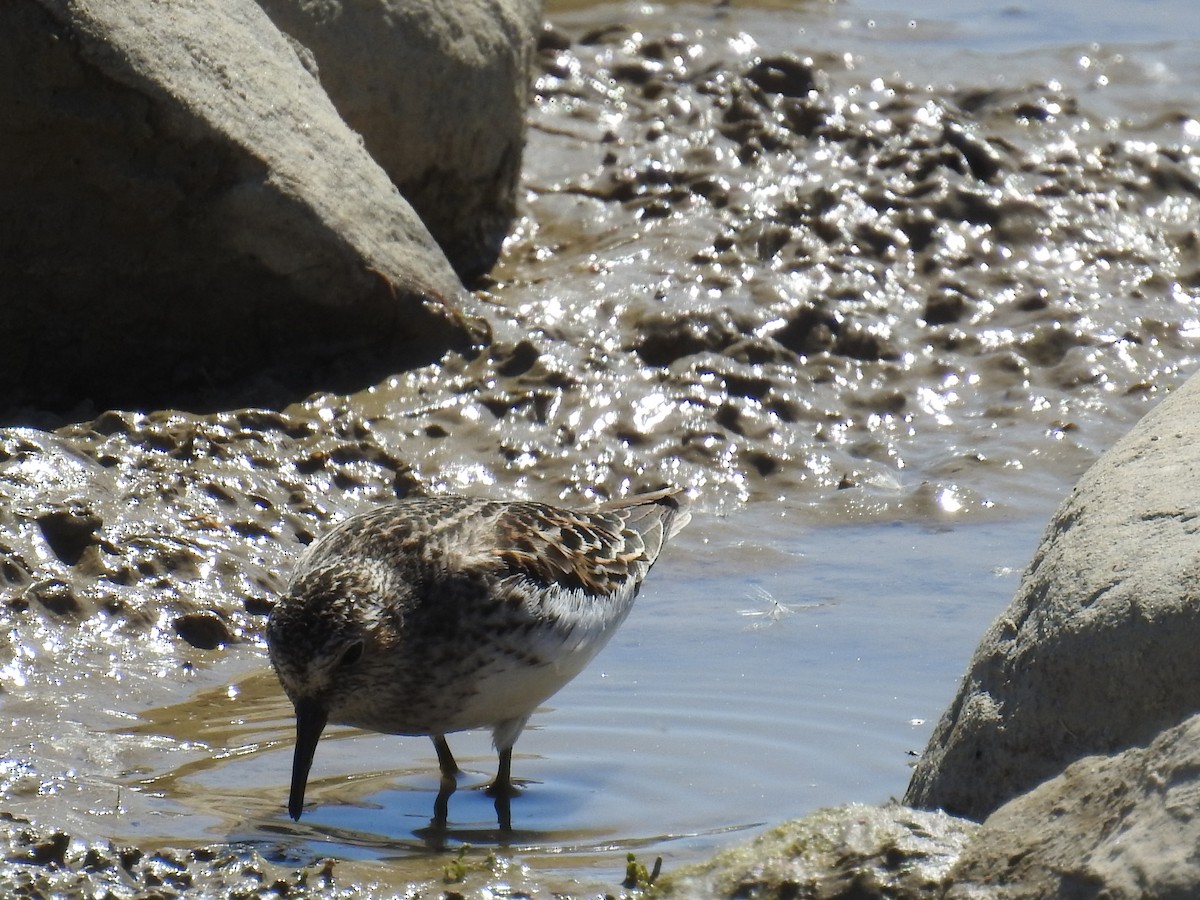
[[435, 615]]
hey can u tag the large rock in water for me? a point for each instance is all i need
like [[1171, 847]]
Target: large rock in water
[[439, 92], [181, 205], [1097, 652], [1123, 826], [1073, 737]]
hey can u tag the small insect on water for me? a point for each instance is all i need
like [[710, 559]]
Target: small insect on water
[[443, 614]]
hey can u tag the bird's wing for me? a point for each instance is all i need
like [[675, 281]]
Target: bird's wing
[[593, 552]]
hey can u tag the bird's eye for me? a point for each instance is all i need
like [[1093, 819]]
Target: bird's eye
[[352, 654]]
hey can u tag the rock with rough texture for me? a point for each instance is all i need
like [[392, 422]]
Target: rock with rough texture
[[1117, 827], [439, 92], [848, 851], [1097, 651], [181, 206]]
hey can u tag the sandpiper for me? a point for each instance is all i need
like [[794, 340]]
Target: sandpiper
[[443, 614]]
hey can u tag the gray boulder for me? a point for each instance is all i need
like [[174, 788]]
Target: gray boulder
[[181, 207], [1115, 827], [1097, 652], [439, 92]]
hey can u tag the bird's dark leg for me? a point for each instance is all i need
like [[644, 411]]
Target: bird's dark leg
[[446, 761], [450, 771], [502, 790], [502, 786]]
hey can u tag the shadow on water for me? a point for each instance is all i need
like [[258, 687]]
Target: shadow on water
[[39, 400]]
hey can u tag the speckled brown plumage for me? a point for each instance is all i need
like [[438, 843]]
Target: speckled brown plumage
[[436, 615]]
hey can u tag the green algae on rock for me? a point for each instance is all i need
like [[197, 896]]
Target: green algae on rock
[[853, 850]]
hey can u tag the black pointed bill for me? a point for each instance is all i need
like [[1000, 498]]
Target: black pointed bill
[[310, 722]]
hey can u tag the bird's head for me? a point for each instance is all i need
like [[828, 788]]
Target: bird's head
[[322, 635]]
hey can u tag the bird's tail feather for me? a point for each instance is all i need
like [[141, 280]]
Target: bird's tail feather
[[657, 516]]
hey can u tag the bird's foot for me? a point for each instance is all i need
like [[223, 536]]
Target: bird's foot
[[502, 791]]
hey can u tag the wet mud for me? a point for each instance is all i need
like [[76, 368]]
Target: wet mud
[[44, 862], [775, 274]]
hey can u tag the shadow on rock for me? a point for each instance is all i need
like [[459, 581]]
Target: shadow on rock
[[137, 371]]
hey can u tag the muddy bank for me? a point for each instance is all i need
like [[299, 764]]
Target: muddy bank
[[792, 274], [44, 862], [777, 277]]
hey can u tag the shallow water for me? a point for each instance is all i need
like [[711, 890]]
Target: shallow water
[[764, 673], [877, 406]]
